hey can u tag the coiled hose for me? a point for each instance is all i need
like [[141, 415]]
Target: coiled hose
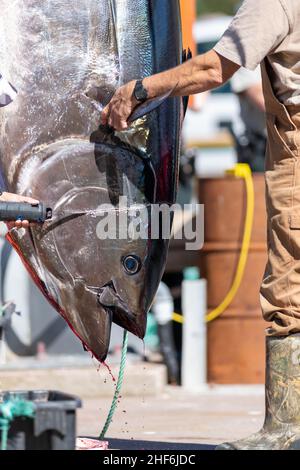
[[241, 170]]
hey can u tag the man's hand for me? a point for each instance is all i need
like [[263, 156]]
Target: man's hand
[[10, 197], [120, 108], [202, 73]]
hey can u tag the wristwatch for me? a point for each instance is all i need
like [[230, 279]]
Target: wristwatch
[[140, 93]]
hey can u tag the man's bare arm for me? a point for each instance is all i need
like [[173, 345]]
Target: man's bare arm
[[256, 96], [202, 73]]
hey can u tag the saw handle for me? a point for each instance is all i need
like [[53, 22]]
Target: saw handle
[[11, 211]]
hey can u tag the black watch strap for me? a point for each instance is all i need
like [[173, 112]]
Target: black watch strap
[[140, 93]]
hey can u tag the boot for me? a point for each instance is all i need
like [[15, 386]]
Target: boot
[[281, 430]]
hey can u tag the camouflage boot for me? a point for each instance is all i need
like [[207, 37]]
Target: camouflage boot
[[281, 430]]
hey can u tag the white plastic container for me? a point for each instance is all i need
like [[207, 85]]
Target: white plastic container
[[194, 343]]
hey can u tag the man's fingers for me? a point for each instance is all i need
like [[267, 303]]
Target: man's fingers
[[105, 115], [18, 223], [120, 126], [123, 125], [117, 122]]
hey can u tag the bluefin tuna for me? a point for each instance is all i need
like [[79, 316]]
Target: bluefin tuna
[[66, 59]]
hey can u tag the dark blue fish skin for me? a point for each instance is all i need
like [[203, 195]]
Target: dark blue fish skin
[[66, 59]]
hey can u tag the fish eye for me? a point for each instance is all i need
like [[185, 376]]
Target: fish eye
[[132, 264]]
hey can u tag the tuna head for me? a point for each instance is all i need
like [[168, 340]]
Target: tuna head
[[95, 258], [47, 152]]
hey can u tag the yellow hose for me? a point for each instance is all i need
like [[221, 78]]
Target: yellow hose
[[241, 170], [178, 318]]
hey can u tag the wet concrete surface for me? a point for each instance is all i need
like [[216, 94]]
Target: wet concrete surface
[[176, 419], [122, 444]]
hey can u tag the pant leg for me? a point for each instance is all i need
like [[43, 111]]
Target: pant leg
[[280, 290]]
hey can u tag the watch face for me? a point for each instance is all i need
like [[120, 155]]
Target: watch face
[[140, 92]]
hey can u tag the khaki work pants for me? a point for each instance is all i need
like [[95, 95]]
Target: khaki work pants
[[280, 290]]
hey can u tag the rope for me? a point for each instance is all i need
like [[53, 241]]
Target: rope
[[241, 170], [118, 387]]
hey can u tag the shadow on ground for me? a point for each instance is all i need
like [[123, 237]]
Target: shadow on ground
[[122, 444]]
